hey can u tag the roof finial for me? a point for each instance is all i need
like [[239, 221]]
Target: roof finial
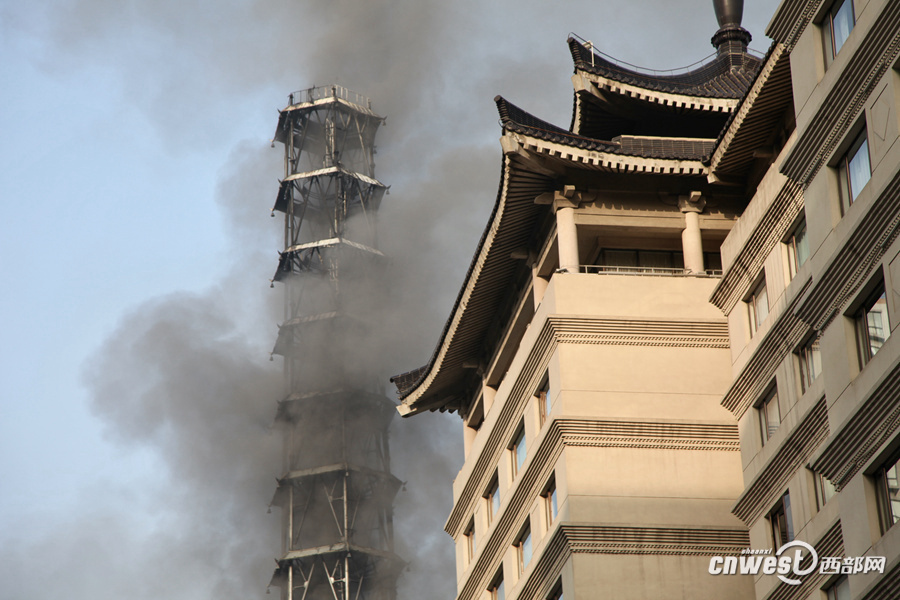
[[731, 38], [729, 12]]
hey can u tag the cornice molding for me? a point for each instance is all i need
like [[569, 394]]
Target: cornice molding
[[887, 587], [593, 538], [859, 438], [877, 52], [775, 475], [790, 20], [565, 329], [831, 544], [767, 234]]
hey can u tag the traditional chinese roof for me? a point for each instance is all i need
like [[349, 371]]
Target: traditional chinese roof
[[517, 120], [761, 110], [441, 384], [728, 75]]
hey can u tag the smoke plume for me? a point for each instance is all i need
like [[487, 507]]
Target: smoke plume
[[185, 380]]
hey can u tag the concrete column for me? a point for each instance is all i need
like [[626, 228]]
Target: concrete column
[[488, 394], [468, 439], [567, 237], [538, 286], [691, 239]]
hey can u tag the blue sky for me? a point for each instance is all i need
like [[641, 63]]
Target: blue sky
[[137, 179]]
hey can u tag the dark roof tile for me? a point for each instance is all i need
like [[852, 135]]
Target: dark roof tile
[[728, 75]]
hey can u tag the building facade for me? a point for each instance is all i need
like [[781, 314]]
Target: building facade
[[674, 340], [583, 353], [811, 291]]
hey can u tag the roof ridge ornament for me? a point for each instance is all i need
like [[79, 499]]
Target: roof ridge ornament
[[731, 38]]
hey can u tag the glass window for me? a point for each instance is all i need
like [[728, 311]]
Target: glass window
[[492, 496], [854, 171], [839, 590], [523, 549], [888, 486], [758, 305], [550, 505], [837, 26], [557, 593], [769, 415], [496, 589], [872, 325], [824, 490], [782, 522], [543, 396], [798, 248], [517, 449], [471, 543], [810, 362]]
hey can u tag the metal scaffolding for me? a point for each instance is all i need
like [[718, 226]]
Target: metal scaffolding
[[336, 492]]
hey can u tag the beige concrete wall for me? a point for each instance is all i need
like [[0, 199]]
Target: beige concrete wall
[[656, 577]]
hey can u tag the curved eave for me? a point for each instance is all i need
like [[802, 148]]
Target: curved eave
[[294, 110], [759, 113], [441, 383], [586, 82], [727, 75], [558, 157], [529, 166]]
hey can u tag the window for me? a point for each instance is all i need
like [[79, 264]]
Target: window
[[543, 396], [888, 489], [557, 593], [496, 590], [839, 590], [782, 522], [872, 325], [517, 450], [550, 506], [824, 490], [492, 497], [769, 415], [523, 548], [854, 170], [798, 248], [758, 305], [471, 543], [837, 26], [810, 362]]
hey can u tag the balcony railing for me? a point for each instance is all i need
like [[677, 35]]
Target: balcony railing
[[329, 91], [646, 271]]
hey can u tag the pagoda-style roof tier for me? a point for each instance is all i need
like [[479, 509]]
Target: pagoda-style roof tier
[[749, 133], [313, 257], [439, 385], [726, 76], [319, 325], [297, 405], [371, 187], [537, 155], [319, 98], [315, 562], [388, 483], [625, 153], [612, 100]]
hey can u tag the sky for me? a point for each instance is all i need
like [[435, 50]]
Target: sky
[[136, 391]]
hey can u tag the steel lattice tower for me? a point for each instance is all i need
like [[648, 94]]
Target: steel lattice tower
[[336, 491]]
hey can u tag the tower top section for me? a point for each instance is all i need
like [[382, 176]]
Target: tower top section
[[731, 38]]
